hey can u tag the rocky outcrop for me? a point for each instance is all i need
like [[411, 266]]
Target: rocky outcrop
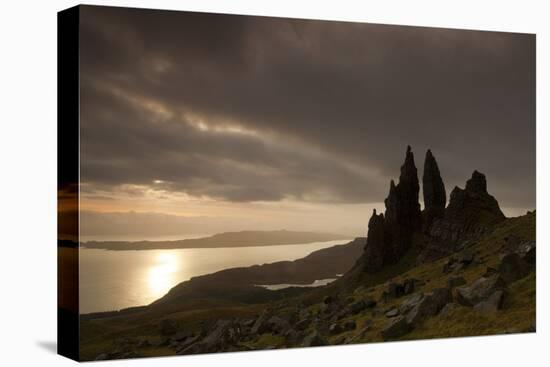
[[433, 190], [375, 247], [390, 235], [402, 211], [470, 213]]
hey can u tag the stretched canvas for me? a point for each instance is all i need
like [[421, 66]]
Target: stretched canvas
[[234, 183]]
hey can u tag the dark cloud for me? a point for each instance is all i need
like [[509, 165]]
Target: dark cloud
[[322, 110]]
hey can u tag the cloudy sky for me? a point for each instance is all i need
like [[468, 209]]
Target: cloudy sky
[[200, 123]]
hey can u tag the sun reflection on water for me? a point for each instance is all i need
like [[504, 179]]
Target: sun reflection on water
[[160, 277]]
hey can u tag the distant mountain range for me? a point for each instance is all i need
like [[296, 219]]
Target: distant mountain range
[[226, 239]]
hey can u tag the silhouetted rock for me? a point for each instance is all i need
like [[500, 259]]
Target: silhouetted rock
[[390, 234], [375, 248], [434, 193], [470, 213], [402, 217]]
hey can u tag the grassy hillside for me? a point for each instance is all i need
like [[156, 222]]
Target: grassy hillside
[[141, 334]]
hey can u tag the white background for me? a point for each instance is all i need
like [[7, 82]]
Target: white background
[[28, 182]]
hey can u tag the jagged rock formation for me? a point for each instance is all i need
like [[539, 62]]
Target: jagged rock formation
[[402, 216], [374, 249], [390, 236], [434, 193], [471, 212]]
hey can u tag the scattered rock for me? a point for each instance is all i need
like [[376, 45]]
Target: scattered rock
[[490, 271], [492, 304], [259, 327], [357, 307], [314, 340], [410, 302], [408, 286], [302, 324], [181, 335], [394, 312], [466, 257], [335, 329], [512, 267], [429, 305], [277, 325], [479, 290], [369, 302], [396, 328]]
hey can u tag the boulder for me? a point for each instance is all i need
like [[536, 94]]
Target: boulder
[[530, 255], [492, 304], [357, 307], [490, 271], [314, 339], [410, 302], [394, 312], [395, 290], [479, 290], [181, 335], [302, 324], [369, 302], [409, 286], [512, 267], [259, 327], [466, 257], [429, 305], [395, 328], [277, 325], [335, 329]]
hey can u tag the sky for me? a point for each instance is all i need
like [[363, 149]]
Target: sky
[[195, 123]]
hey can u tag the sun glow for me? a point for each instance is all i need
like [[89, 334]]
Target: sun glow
[[160, 277]]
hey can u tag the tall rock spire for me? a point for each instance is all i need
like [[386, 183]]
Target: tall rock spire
[[390, 236], [433, 190], [374, 250]]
